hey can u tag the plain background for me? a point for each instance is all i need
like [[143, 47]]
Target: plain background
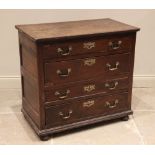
[[144, 19]]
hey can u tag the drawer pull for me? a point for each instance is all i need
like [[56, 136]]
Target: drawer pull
[[114, 68], [88, 103], [66, 117], [64, 73], [62, 95], [89, 45], [115, 45], [107, 85], [89, 62], [89, 88], [112, 105], [64, 52]]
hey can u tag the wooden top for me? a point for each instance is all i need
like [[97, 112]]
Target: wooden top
[[50, 31]]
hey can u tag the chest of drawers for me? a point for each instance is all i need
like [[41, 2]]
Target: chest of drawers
[[75, 73]]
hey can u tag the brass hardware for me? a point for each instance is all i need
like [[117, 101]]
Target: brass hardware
[[115, 45], [64, 52], [89, 88], [112, 105], [66, 117], [64, 73], [89, 62], [62, 95], [114, 68], [89, 45], [107, 85], [88, 103]]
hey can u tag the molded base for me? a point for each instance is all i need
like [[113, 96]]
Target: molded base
[[45, 133]]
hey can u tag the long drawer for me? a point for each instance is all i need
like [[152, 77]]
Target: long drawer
[[85, 108], [112, 44], [60, 72], [94, 86]]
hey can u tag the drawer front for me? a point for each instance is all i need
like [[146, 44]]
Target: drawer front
[[83, 69], [104, 45], [76, 110], [86, 88]]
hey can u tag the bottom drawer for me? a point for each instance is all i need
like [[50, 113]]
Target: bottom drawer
[[85, 108]]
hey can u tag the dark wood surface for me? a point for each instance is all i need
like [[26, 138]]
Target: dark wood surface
[[78, 46], [94, 86], [71, 69], [29, 76], [46, 102], [81, 124], [73, 28], [70, 111]]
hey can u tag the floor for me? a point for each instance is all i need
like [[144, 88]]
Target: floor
[[140, 129]]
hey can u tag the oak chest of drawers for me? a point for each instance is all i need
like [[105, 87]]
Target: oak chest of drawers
[[75, 73]]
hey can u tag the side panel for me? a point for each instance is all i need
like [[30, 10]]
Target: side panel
[[29, 76]]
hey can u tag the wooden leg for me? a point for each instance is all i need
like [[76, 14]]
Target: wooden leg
[[125, 118], [45, 137]]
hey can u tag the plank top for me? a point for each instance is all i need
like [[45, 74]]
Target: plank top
[[49, 31]]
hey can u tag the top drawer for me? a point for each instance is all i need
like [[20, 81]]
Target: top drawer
[[112, 44]]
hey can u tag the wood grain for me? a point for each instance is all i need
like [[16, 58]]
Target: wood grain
[[101, 45], [80, 71], [81, 112], [38, 32], [89, 87]]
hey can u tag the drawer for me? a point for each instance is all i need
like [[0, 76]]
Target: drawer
[[60, 72], [94, 86], [76, 110], [111, 44]]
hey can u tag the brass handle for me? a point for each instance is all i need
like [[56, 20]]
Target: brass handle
[[89, 45], [88, 103], [114, 68], [115, 45], [62, 95], [66, 117], [64, 52], [89, 88], [112, 105], [89, 62], [64, 73], [107, 85]]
